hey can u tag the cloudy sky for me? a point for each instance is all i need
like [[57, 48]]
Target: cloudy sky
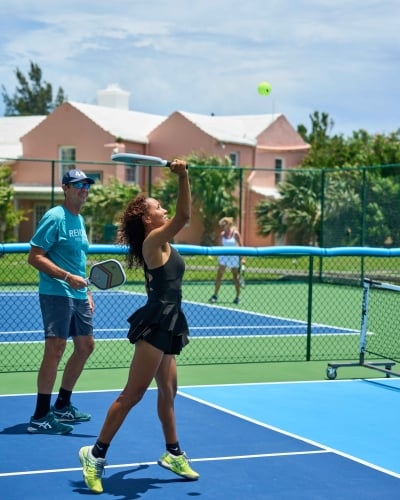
[[208, 56]]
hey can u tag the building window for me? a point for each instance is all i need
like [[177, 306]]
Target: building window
[[96, 176], [131, 173], [278, 170], [39, 211], [234, 157], [67, 158]]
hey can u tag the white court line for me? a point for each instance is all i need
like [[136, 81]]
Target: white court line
[[138, 464], [324, 448], [336, 330]]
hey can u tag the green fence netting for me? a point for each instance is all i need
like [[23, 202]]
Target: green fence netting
[[297, 304]]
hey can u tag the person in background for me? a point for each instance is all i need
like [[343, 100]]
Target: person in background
[[58, 251], [230, 237], [158, 330]]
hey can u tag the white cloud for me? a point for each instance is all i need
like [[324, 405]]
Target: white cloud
[[208, 56]]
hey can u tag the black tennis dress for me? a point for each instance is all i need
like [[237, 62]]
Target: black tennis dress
[[161, 322]]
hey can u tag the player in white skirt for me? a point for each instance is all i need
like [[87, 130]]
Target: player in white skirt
[[230, 237]]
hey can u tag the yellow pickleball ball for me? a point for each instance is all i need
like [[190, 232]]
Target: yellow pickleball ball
[[264, 88]]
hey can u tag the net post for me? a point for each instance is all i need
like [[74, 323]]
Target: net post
[[309, 311], [364, 319]]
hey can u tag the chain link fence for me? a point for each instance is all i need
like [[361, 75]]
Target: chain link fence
[[297, 304], [338, 207]]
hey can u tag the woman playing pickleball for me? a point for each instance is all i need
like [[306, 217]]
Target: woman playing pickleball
[[159, 329]]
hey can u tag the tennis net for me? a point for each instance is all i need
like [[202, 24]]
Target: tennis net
[[380, 328]]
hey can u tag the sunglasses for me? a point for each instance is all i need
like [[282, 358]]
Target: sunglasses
[[80, 185]]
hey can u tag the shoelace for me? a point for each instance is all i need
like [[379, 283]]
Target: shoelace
[[99, 467], [185, 459]]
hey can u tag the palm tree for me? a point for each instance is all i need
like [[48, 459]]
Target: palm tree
[[307, 205], [296, 212], [214, 183], [104, 206]]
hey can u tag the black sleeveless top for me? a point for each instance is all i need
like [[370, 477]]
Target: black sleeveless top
[[165, 282], [161, 322]]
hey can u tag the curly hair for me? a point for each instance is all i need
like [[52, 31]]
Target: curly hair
[[131, 232]]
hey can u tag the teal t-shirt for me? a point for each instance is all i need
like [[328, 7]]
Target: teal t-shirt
[[62, 235]]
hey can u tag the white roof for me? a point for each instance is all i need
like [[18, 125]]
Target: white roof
[[24, 189], [130, 125], [268, 192], [136, 126], [12, 128], [240, 129]]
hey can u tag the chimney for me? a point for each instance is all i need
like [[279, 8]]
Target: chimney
[[113, 97]]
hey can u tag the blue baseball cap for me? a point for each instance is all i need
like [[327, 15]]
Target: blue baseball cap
[[76, 176]]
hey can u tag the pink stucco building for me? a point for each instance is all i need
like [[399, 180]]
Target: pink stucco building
[[78, 132]]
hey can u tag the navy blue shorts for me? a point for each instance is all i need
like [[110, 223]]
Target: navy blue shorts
[[65, 317]]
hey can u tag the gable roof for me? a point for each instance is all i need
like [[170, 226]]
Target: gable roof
[[12, 128], [131, 126], [237, 129], [135, 126]]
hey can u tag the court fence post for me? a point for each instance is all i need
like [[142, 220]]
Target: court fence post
[[53, 180], [310, 305]]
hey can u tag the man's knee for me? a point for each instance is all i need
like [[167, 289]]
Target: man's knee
[[84, 346]]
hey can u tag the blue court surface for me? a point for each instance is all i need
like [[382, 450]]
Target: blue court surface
[[305, 440], [113, 309]]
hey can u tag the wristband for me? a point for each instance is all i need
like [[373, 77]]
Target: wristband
[[67, 276]]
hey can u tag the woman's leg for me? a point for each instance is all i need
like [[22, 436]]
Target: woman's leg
[[173, 459], [236, 280], [144, 366], [167, 383], [220, 273]]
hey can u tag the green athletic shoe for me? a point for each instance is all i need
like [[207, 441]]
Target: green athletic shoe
[[48, 425], [179, 465], [70, 414], [93, 469]]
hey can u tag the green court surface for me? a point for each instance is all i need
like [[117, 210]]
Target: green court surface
[[22, 382]]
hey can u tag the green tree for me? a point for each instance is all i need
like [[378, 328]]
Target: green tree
[[337, 207], [296, 212], [32, 96], [327, 151], [359, 149], [306, 203], [364, 149], [9, 217], [341, 193], [214, 185], [382, 218], [321, 125], [329, 201], [104, 206]]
